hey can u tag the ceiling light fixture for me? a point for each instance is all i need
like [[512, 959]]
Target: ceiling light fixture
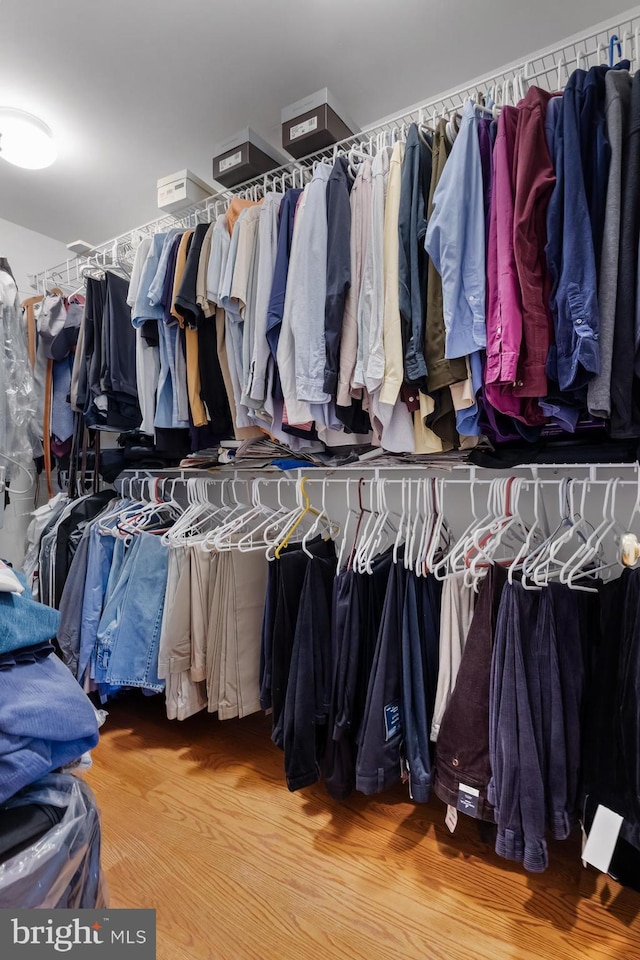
[[25, 140]]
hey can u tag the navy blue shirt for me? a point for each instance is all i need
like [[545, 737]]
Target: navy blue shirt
[[338, 267], [570, 253], [280, 273], [412, 227]]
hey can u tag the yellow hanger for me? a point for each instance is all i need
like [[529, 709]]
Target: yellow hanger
[[306, 510]]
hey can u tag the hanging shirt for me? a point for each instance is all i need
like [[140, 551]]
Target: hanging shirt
[[440, 371], [392, 324], [186, 306], [617, 107], [504, 301], [576, 356], [338, 266], [156, 286], [360, 203], [625, 405], [281, 271], [207, 308], [142, 309], [412, 226], [139, 261], [261, 359], [455, 241], [220, 242], [301, 358], [534, 181], [233, 319], [147, 355]]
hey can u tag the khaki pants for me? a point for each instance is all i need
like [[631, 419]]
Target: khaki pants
[[237, 594], [184, 694]]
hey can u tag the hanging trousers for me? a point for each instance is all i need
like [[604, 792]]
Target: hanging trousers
[[462, 749], [358, 604], [293, 567], [420, 653], [378, 761], [308, 694], [516, 790]]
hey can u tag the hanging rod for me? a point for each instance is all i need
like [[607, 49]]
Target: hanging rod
[[545, 472], [549, 68]]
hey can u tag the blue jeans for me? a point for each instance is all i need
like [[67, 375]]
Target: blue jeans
[[129, 632], [97, 577]]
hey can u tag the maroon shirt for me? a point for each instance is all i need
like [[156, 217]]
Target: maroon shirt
[[534, 179]]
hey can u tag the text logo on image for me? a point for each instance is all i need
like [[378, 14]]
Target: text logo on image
[[35, 934]]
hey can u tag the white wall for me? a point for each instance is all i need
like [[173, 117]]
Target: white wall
[[28, 252]]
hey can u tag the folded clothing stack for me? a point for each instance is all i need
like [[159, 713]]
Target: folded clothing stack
[[46, 720]]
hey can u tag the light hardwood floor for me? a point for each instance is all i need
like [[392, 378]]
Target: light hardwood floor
[[198, 823]]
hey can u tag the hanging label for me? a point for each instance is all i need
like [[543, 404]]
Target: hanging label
[[451, 818], [468, 800], [405, 773], [392, 722], [300, 129], [602, 839], [230, 162], [584, 843]]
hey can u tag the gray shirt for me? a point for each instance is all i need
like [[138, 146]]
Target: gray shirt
[[617, 107]]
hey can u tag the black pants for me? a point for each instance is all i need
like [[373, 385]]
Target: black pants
[[611, 763], [357, 612], [306, 705], [212, 388], [378, 761], [293, 564], [462, 748], [420, 656]]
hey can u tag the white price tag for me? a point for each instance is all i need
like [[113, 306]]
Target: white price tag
[[451, 818], [602, 839]]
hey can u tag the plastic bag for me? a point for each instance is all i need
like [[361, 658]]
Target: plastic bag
[[19, 431], [62, 869]]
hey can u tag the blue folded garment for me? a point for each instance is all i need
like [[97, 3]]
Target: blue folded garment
[[23, 621], [46, 722], [39, 651]]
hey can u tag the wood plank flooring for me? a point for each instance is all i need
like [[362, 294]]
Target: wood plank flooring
[[198, 823]]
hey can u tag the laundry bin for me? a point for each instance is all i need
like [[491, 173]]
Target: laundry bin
[[50, 847]]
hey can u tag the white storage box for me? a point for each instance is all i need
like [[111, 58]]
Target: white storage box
[[181, 190]]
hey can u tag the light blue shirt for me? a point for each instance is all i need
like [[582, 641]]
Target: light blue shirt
[[142, 309], [156, 286], [455, 241], [468, 419]]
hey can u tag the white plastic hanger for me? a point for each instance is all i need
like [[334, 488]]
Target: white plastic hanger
[[538, 556], [445, 565], [385, 531], [593, 551], [402, 526], [538, 531], [350, 513], [428, 506], [266, 516], [576, 528], [441, 536]]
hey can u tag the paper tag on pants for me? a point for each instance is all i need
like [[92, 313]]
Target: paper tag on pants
[[451, 818], [602, 839], [392, 722], [468, 800]]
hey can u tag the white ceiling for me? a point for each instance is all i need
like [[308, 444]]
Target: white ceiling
[[137, 89]]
